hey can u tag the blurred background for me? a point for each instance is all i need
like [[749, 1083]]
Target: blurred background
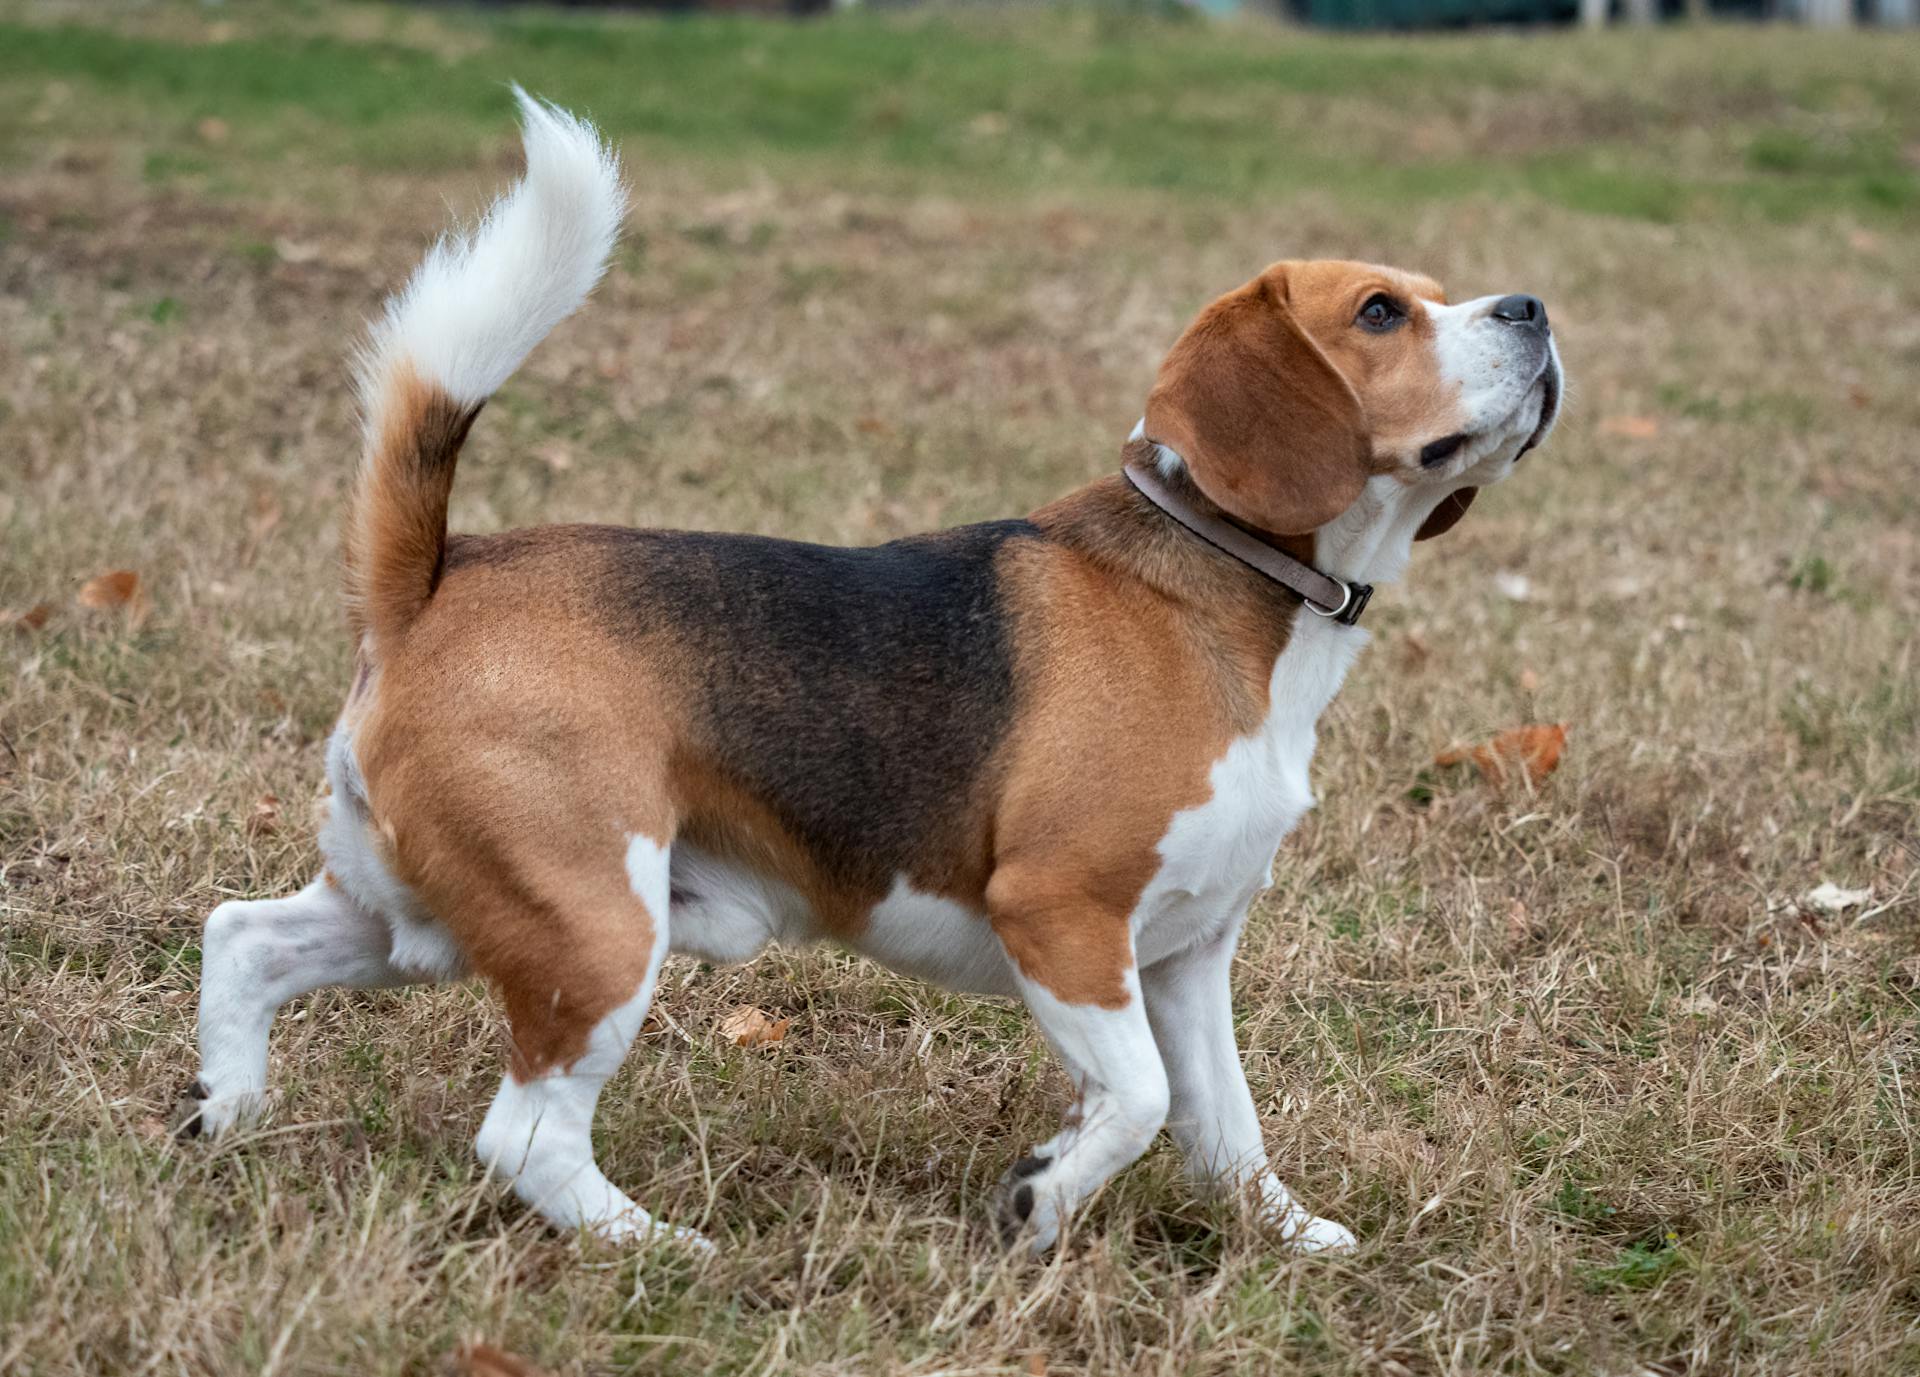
[[1611, 1066]]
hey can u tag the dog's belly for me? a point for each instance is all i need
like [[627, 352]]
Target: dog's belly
[[936, 939], [725, 912]]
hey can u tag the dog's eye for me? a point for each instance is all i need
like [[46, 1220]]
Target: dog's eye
[[1381, 313]]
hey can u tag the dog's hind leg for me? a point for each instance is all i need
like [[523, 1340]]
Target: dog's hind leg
[[254, 957], [575, 960]]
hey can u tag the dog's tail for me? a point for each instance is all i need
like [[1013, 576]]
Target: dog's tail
[[471, 313]]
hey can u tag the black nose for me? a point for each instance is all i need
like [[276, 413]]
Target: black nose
[[1522, 310]]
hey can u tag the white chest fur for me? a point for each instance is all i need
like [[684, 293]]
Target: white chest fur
[[1217, 855]]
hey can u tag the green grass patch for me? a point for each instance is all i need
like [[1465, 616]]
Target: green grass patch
[[1242, 113]]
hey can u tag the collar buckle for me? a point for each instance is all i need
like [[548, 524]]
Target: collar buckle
[[1358, 595]]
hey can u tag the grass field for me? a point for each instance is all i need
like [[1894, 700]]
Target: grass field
[[1596, 1086]]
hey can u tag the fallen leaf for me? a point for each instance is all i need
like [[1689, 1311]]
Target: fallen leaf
[[32, 619], [1036, 1365], [1859, 396], [1630, 427], [1828, 897], [1535, 748], [114, 589], [747, 1026], [484, 1360], [118, 588], [266, 817]]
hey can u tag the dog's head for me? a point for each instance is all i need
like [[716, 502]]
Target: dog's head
[[1289, 394]]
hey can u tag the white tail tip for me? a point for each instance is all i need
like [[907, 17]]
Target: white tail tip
[[481, 301]]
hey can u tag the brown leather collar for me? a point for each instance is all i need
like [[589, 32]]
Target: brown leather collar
[[1323, 595]]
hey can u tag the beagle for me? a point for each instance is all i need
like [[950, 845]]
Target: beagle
[[1048, 759]]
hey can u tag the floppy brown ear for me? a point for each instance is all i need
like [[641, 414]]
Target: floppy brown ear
[[1452, 507], [1271, 431]]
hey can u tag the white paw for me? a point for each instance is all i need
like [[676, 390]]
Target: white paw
[[202, 1114], [637, 1226], [1026, 1209], [1306, 1233]]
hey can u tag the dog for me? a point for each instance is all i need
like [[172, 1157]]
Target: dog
[[1049, 759]]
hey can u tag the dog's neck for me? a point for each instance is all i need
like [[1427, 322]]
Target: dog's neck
[[1113, 524], [1369, 543]]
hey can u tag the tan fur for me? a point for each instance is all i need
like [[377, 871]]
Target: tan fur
[[511, 744], [1145, 654], [1282, 409], [508, 760], [1395, 375], [397, 517]]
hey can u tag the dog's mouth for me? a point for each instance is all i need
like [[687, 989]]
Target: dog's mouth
[[1437, 453], [1549, 380]]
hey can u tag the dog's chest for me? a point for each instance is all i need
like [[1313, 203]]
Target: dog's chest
[[1218, 854]]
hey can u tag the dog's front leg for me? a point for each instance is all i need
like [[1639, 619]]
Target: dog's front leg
[[1189, 1000], [1075, 970]]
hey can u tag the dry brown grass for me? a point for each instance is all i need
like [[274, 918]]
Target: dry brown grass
[[1597, 1092]]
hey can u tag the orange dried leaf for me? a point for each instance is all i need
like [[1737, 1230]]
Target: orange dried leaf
[[117, 588], [747, 1026], [266, 817], [1631, 427], [1534, 749], [32, 619], [484, 1360]]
